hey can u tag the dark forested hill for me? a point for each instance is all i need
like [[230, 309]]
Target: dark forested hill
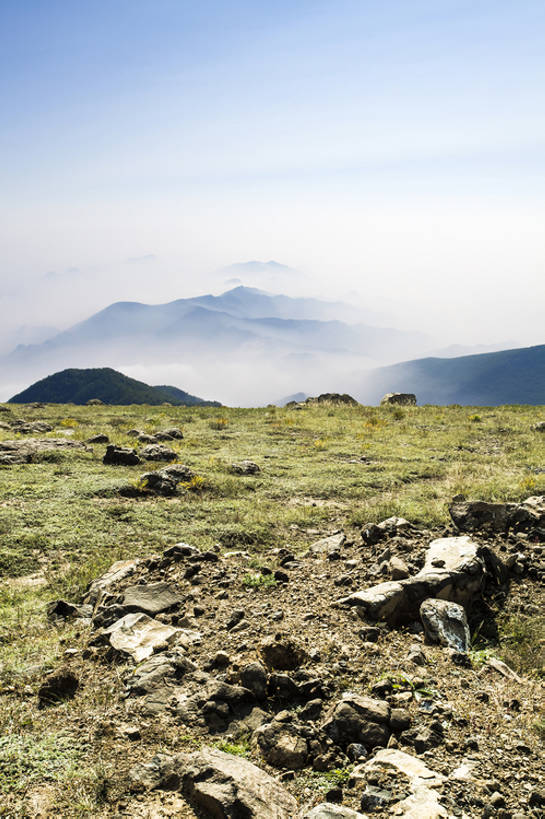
[[76, 386]]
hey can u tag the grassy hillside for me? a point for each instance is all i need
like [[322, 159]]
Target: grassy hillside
[[488, 379], [77, 386], [63, 522]]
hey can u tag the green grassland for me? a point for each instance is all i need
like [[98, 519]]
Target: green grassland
[[63, 520]]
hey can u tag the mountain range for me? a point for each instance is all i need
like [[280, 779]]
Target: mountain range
[[247, 346], [243, 345]]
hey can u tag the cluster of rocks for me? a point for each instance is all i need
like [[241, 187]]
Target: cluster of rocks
[[196, 657]]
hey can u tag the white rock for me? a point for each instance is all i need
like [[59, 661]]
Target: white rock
[[138, 635]]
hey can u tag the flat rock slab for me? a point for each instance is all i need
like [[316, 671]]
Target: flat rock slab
[[423, 803], [23, 452], [390, 758], [445, 623], [327, 810], [454, 570], [152, 598], [139, 636], [117, 571], [224, 786]]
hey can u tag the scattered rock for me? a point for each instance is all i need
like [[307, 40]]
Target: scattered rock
[[139, 636], [95, 402], [61, 610], [358, 719], [328, 546], [391, 527], [245, 468], [445, 623], [327, 810], [120, 456], [282, 745], [98, 439], [407, 399], [118, 571], [158, 452]]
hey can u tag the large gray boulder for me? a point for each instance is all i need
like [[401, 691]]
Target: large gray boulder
[[454, 570], [445, 623]]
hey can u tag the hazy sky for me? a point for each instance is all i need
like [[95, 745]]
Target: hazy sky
[[391, 149]]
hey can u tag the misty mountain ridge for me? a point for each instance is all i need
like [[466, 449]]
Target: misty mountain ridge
[[490, 379], [243, 344]]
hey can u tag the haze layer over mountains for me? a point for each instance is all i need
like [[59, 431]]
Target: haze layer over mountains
[[246, 347]]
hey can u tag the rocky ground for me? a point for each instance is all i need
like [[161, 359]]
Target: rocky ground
[[333, 680]]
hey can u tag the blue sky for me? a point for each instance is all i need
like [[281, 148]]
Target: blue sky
[[394, 149]]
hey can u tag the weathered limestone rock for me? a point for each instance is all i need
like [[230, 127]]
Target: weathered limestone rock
[[327, 810], [101, 438], [445, 623], [328, 545], [454, 570], [31, 427], [170, 666], [117, 571], [333, 398], [407, 399], [224, 786], [152, 598], [424, 801], [139, 636]]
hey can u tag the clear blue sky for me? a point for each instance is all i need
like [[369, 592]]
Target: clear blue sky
[[388, 147]]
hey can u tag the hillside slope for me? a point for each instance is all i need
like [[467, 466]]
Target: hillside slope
[[490, 379], [76, 386]]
